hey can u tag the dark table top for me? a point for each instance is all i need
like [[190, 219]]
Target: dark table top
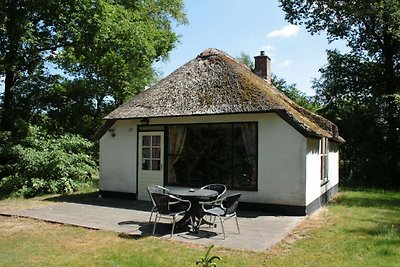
[[185, 192]]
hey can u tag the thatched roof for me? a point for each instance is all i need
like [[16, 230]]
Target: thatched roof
[[215, 83]]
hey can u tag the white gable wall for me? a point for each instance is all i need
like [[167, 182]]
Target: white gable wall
[[118, 158], [313, 169], [281, 173]]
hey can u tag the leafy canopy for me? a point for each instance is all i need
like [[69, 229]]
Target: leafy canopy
[[105, 46], [360, 89]]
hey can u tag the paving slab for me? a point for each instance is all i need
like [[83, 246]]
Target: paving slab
[[258, 230]]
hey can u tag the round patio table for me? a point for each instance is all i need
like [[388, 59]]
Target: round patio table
[[194, 196], [193, 193]]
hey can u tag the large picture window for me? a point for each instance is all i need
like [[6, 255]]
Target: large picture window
[[200, 154]]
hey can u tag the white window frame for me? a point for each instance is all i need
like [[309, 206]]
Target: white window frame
[[324, 155], [152, 158]]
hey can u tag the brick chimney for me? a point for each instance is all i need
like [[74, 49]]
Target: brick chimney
[[263, 66]]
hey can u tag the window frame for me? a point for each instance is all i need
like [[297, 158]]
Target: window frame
[[232, 156], [151, 158], [324, 159]]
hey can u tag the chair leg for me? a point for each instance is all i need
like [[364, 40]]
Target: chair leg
[[155, 223], [173, 226], [222, 224], [192, 223], [237, 224], [200, 221], [215, 217], [211, 220], [151, 214]]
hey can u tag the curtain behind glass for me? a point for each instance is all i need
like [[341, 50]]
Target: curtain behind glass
[[177, 137], [250, 145]]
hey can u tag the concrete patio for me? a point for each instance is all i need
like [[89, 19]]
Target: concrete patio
[[258, 231]]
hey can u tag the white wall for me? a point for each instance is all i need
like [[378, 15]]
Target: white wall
[[281, 153], [118, 158], [281, 156], [313, 169]]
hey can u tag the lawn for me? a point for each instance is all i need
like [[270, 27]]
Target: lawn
[[359, 228]]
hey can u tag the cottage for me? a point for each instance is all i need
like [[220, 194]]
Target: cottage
[[214, 120]]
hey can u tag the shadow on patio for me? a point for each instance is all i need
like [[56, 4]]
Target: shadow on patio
[[129, 218]]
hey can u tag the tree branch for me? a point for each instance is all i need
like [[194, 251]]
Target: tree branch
[[369, 29]]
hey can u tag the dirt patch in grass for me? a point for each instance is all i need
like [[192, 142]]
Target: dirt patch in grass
[[303, 230], [316, 220], [73, 237], [21, 204], [12, 225]]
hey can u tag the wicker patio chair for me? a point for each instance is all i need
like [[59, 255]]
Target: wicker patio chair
[[155, 189], [224, 209], [169, 206]]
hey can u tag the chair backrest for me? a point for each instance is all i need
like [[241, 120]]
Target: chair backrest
[[161, 202], [220, 188], [230, 203], [156, 189]]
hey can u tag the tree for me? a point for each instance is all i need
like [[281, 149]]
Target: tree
[[109, 45], [346, 88], [246, 59], [372, 31], [291, 91]]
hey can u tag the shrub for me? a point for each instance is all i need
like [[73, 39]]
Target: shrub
[[42, 163]]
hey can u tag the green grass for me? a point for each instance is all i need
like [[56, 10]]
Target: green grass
[[359, 228]]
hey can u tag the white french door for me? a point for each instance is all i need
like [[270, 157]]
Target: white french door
[[151, 159]]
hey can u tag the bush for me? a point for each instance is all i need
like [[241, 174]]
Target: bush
[[42, 163]]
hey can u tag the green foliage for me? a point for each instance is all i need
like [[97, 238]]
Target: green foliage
[[42, 163], [360, 89], [291, 91], [116, 52], [207, 260], [104, 48], [349, 88], [246, 59]]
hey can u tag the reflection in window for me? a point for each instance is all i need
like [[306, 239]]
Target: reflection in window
[[225, 153]]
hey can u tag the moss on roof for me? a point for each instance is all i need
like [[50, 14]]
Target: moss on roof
[[215, 83]]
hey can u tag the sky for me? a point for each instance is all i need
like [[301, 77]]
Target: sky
[[251, 26]]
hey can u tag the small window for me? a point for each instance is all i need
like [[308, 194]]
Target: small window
[[324, 151], [151, 153]]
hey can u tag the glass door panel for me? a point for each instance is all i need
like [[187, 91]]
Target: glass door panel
[[151, 152]]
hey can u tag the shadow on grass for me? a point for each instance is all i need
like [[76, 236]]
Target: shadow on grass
[[380, 220], [376, 199], [387, 230]]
